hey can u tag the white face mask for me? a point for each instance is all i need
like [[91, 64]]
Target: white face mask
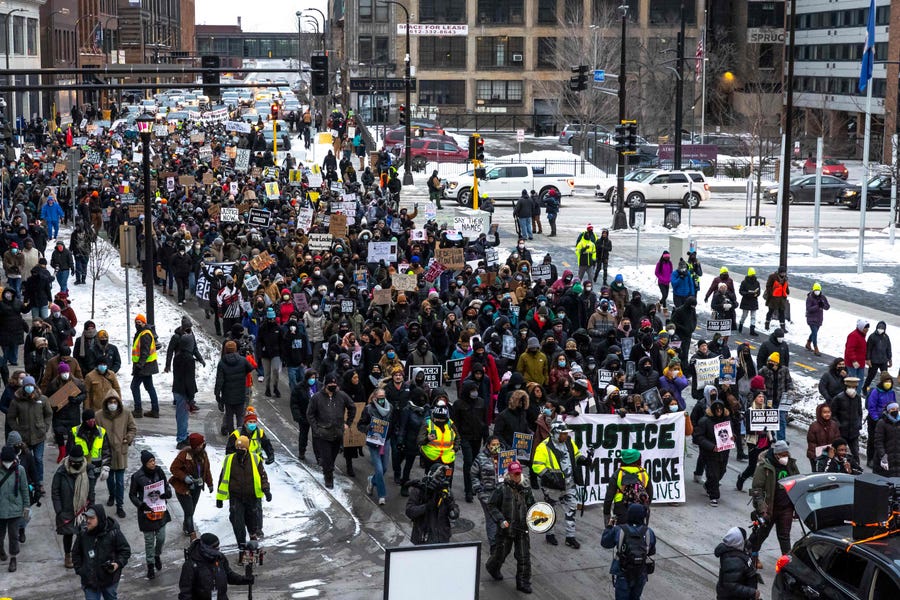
[[851, 392], [817, 293], [64, 376], [780, 340], [879, 331], [113, 407], [6, 465], [784, 459]]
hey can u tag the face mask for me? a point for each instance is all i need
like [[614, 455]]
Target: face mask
[[626, 327], [879, 331], [29, 389], [332, 388], [459, 282], [7, 465], [894, 415], [588, 288], [521, 246], [15, 250], [784, 460], [391, 355], [311, 381], [473, 394], [317, 273], [561, 363], [817, 293], [55, 314], [102, 369], [780, 340], [251, 426], [673, 408], [113, 407], [851, 392], [542, 303], [76, 464], [888, 385], [64, 376], [494, 449]]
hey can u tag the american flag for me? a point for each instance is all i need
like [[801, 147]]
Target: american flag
[[698, 67]]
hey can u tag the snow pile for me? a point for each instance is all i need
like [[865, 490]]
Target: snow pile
[[876, 283]]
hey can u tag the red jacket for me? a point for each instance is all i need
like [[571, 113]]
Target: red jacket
[[490, 371], [855, 350]]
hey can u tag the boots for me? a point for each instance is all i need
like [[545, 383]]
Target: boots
[[809, 345], [268, 394], [3, 555], [157, 562], [12, 564], [551, 539], [276, 392], [816, 350], [571, 541], [152, 414], [138, 413], [524, 587], [741, 327], [740, 483], [67, 561], [783, 328], [151, 572], [753, 331]]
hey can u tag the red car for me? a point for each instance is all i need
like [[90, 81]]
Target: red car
[[830, 166], [426, 150]]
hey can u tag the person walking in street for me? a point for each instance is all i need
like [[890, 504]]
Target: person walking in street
[[508, 507], [438, 439], [757, 441], [67, 416], [771, 504], [737, 572], [152, 519], [243, 481], [856, 351], [260, 444], [523, 211], [887, 442], [778, 382], [206, 574], [880, 397], [586, 255], [879, 357], [120, 433], [604, 251], [31, 415], [821, 433], [846, 409], [93, 441], [663, 274], [682, 284], [707, 437], [634, 543], [15, 502], [435, 189], [183, 352], [330, 413], [190, 471], [72, 492], [99, 554], [629, 484], [749, 290], [431, 506], [837, 459], [144, 367], [484, 481], [776, 297], [300, 397], [551, 205], [98, 383], [816, 305], [230, 389], [379, 454], [536, 202], [557, 463]]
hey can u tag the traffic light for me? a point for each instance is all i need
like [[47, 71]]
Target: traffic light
[[318, 70], [274, 111], [401, 115], [473, 143], [631, 138], [620, 138], [579, 81], [210, 79], [479, 149]]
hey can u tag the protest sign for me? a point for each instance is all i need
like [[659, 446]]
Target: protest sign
[[261, 261], [320, 241], [353, 437], [204, 282], [338, 225], [187, 180], [727, 371], [491, 257], [208, 178], [295, 176], [251, 282], [170, 184], [434, 271], [522, 443], [213, 210], [272, 191], [361, 278], [509, 346], [430, 211], [229, 215], [452, 258], [153, 493], [404, 282], [300, 301], [470, 227], [386, 251], [198, 138], [653, 400], [205, 154], [604, 378], [724, 437], [61, 397], [381, 297], [706, 370], [541, 271], [718, 325], [273, 172], [454, 368], [378, 430], [238, 126], [259, 217], [761, 420], [234, 188], [660, 441], [305, 218], [135, 210], [434, 374], [348, 307], [504, 459], [418, 235], [242, 160]]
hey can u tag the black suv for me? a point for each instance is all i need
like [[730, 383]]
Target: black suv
[[823, 565]]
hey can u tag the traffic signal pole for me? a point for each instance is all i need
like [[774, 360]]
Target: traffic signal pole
[[620, 221]]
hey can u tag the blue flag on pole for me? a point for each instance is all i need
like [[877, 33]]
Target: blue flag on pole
[[868, 58]]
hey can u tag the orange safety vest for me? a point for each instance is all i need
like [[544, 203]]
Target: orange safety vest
[[779, 289]]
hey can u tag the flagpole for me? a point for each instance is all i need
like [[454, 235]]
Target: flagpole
[[865, 180], [703, 80]]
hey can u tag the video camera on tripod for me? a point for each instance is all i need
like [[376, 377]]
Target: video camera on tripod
[[251, 554], [876, 505]]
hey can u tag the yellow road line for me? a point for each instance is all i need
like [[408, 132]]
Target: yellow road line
[[565, 264], [807, 367]]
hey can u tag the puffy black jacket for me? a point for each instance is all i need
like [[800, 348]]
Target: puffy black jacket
[[92, 549], [231, 379], [878, 346], [206, 569], [181, 264], [887, 442], [737, 574], [847, 412], [771, 345], [268, 341], [430, 518], [326, 414], [509, 422], [12, 325], [139, 480], [831, 384], [468, 414], [705, 429], [37, 288]]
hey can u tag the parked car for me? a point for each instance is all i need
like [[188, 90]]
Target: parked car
[[824, 563], [397, 137], [606, 189], [506, 182], [830, 166], [803, 189], [685, 187], [569, 131], [878, 193], [422, 151]]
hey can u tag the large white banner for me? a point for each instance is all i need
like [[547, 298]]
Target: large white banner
[[660, 442]]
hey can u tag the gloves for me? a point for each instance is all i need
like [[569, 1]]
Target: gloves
[[144, 507], [268, 496], [104, 473], [221, 406], [621, 412], [219, 504], [210, 489], [270, 460], [188, 480], [166, 495]]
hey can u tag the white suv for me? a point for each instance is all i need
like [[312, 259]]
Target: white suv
[[688, 188]]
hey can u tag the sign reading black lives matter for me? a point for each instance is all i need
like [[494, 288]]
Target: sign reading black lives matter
[[454, 368], [659, 440], [433, 374]]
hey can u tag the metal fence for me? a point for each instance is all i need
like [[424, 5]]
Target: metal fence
[[550, 167], [538, 124]]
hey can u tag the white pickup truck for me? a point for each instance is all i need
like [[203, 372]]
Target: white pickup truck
[[506, 182]]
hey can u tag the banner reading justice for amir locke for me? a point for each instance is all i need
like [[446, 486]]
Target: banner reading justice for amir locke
[[660, 442]]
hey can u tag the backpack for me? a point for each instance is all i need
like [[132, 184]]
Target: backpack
[[633, 491], [634, 544]]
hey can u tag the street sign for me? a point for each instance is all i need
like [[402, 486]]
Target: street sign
[[520, 135], [599, 75]]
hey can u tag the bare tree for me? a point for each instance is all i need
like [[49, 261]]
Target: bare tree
[[100, 259]]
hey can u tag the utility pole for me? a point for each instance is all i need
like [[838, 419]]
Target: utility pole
[[788, 137], [620, 221], [679, 92]]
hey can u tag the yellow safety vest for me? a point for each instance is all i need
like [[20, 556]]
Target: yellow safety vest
[[643, 477], [223, 491], [96, 446], [442, 448], [255, 447], [136, 347], [544, 458]]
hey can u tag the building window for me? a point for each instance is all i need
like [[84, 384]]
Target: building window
[[32, 26], [18, 35], [546, 12], [442, 52], [433, 93], [766, 58], [606, 12], [442, 11], [365, 48], [498, 92], [574, 12], [501, 52], [381, 51], [546, 53], [668, 12], [765, 14], [365, 10], [501, 12]]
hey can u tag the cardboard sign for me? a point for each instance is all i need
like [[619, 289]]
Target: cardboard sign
[[135, 210], [404, 282], [198, 138], [249, 195], [453, 368], [378, 251], [187, 180], [319, 241], [381, 297], [434, 271], [242, 160], [62, 395], [338, 225], [377, 433], [228, 215], [59, 167], [213, 210], [724, 437], [418, 235], [208, 178], [353, 437], [434, 374], [231, 152], [259, 218], [706, 370], [522, 443], [261, 261], [718, 326], [504, 459], [272, 191], [765, 419], [300, 301], [452, 258]]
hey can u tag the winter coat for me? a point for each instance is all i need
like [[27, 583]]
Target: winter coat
[[878, 401], [878, 346], [685, 320], [771, 345], [831, 383], [107, 351], [205, 570], [62, 493], [847, 412], [469, 413], [484, 475], [37, 289], [231, 379], [510, 422], [69, 415], [193, 463], [183, 352], [121, 430], [92, 549], [815, 309], [145, 367], [139, 480], [300, 401], [268, 341], [509, 502], [326, 414], [663, 271], [683, 284], [533, 367], [674, 386], [765, 479], [62, 260], [777, 383], [749, 291], [430, 517], [12, 325], [855, 349], [14, 496], [887, 442], [820, 433], [724, 305], [704, 431], [737, 574], [30, 415], [412, 417]]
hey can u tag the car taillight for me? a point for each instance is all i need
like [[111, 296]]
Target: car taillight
[[705, 187], [788, 485], [571, 182], [782, 563]]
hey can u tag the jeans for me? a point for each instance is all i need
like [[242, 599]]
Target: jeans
[[188, 504], [52, 229], [147, 382], [380, 461], [782, 425], [81, 263], [11, 354], [109, 593], [752, 313], [115, 484], [295, 375], [813, 335], [859, 373], [525, 228], [629, 590], [181, 416], [153, 543], [62, 278], [15, 283], [38, 451], [272, 371], [11, 527], [40, 312], [469, 450]]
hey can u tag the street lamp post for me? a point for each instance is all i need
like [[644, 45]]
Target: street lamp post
[[145, 128], [323, 25], [12, 96], [620, 221], [407, 83]]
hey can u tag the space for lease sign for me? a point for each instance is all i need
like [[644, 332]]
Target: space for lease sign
[[660, 442], [432, 29]]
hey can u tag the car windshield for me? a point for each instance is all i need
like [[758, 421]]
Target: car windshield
[[638, 175], [878, 181], [831, 161]]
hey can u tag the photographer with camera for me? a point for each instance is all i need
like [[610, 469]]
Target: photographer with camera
[[99, 554], [206, 573], [771, 503]]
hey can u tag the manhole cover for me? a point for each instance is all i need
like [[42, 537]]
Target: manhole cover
[[462, 526]]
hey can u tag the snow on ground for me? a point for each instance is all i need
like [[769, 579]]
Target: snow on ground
[[876, 283]]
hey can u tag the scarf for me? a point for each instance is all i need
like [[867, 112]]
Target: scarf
[[79, 500], [383, 411]]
